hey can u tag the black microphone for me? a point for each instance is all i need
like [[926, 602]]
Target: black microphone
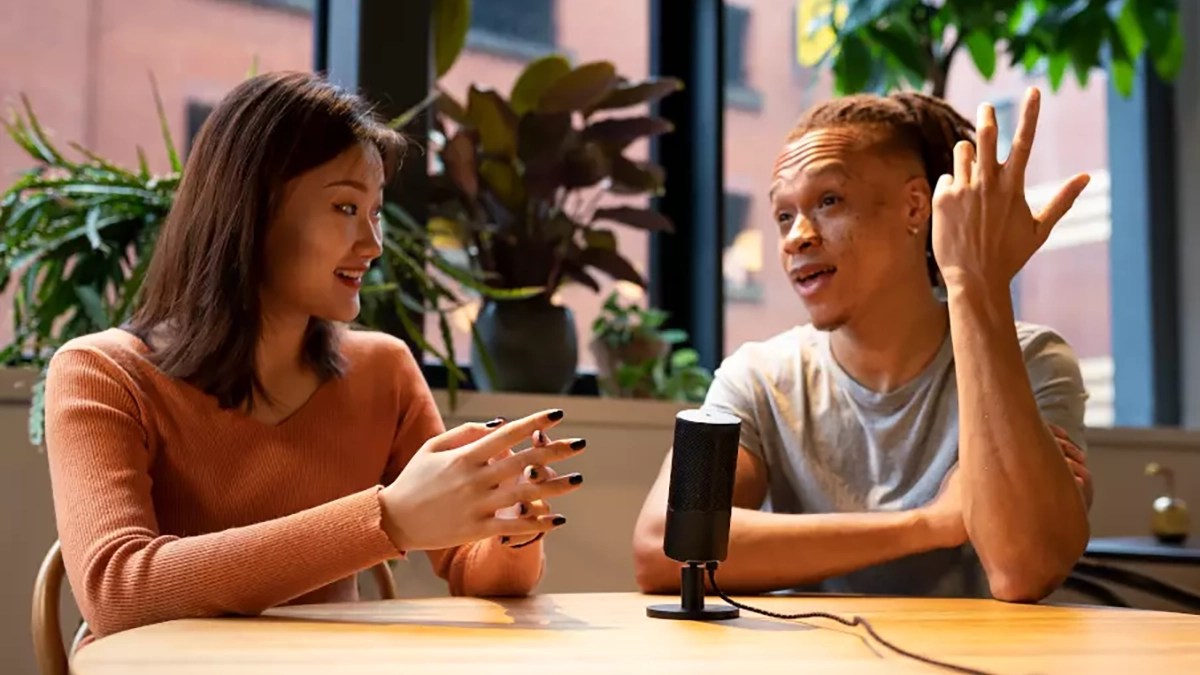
[[699, 504]]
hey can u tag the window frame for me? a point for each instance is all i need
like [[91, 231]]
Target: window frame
[[686, 280], [516, 46]]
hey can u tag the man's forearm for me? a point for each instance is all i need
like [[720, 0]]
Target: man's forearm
[[774, 551], [1021, 508]]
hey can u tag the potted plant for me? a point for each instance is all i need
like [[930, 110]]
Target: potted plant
[[634, 357], [520, 188], [75, 236]]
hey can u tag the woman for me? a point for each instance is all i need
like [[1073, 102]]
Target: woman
[[233, 448]]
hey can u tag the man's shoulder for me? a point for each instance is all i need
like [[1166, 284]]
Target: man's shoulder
[[1039, 341]]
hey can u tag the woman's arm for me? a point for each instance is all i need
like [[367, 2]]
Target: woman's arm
[[123, 571]]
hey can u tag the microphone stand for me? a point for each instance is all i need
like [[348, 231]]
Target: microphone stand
[[691, 600]]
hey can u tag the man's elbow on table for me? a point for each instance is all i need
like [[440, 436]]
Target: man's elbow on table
[[1031, 578]]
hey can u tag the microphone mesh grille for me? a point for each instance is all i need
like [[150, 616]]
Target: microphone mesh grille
[[703, 465]]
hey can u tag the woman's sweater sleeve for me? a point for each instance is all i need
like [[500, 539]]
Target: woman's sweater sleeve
[[123, 571]]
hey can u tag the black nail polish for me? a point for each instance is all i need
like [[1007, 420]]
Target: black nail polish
[[533, 473], [559, 520], [524, 508], [576, 479], [503, 540], [555, 415], [578, 444], [539, 437], [495, 423]]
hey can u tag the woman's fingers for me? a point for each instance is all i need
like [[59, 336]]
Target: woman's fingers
[[535, 509], [524, 527], [462, 434], [536, 473], [536, 457], [528, 493], [510, 434]]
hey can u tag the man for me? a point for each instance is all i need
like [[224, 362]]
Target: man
[[901, 443]]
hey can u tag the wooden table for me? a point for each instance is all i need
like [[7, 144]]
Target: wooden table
[[610, 633], [1142, 549]]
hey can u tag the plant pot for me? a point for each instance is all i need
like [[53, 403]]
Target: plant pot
[[532, 344], [609, 358]]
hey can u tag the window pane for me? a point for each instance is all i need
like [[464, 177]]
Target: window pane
[[1071, 138], [616, 31], [530, 20], [84, 65], [759, 301]]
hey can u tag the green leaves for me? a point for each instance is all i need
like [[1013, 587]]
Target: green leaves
[[611, 263], [172, 153], [579, 90], [983, 52], [885, 43], [901, 45], [864, 12], [451, 20], [75, 235], [585, 165], [630, 177], [852, 68], [634, 357], [496, 122], [624, 94], [524, 178], [643, 219], [1129, 27], [535, 80], [1056, 68], [619, 132]]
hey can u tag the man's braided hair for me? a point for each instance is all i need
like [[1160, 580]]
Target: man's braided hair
[[914, 122]]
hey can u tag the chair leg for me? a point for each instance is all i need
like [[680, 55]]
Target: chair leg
[[44, 622], [384, 581]]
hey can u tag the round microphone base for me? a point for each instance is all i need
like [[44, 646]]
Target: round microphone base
[[704, 613]]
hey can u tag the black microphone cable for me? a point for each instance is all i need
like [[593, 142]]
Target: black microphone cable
[[852, 622]]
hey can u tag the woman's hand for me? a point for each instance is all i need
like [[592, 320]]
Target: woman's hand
[[983, 229], [534, 474], [450, 492]]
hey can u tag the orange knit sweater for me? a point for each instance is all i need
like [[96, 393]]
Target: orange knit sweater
[[170, 507]]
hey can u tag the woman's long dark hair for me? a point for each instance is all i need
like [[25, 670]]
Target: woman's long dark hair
[[205, 276]]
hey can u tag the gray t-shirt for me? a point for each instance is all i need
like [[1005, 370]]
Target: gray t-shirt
[[830, 445]]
